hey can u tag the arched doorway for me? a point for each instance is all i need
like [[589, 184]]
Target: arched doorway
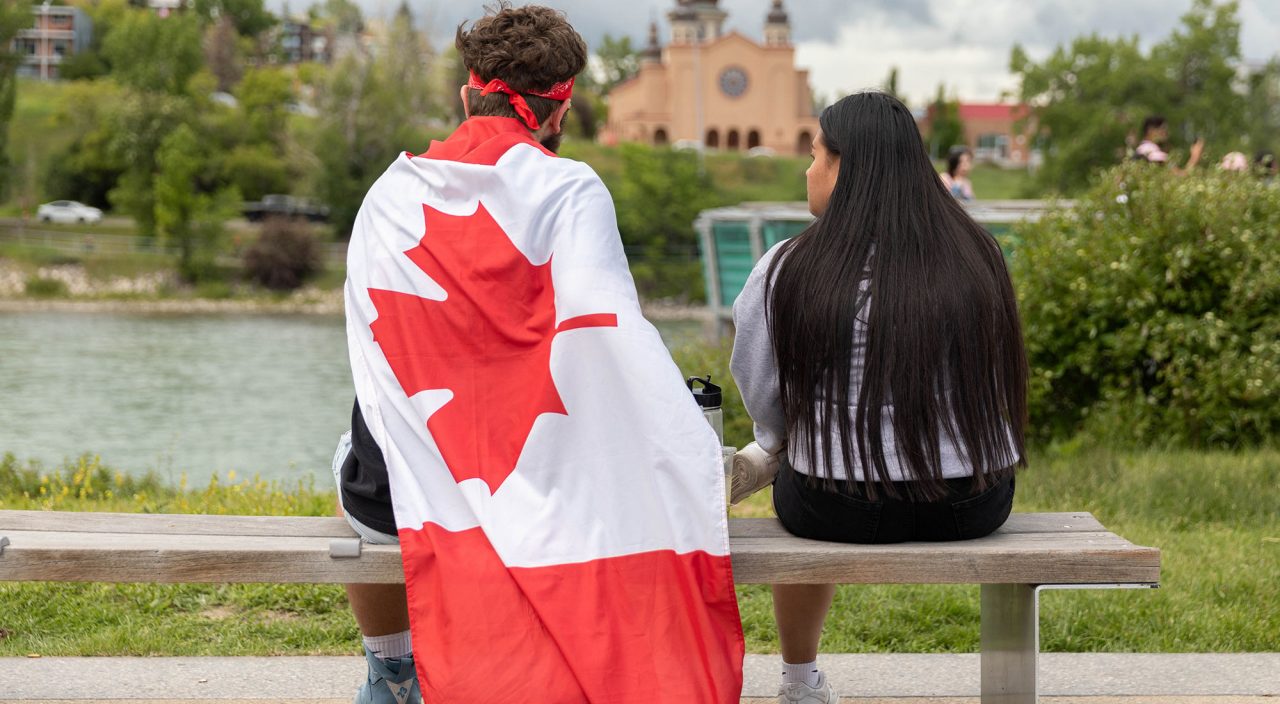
[[734, 141], [753, 139], [713, 139], [804, 143], [660, 138]]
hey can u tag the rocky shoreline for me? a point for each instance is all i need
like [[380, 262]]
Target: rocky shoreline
[[145, 295]]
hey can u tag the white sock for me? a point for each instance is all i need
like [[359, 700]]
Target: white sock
[[396, 645], [806, 672]]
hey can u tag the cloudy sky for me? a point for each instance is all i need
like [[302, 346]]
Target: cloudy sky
[[851, 44]]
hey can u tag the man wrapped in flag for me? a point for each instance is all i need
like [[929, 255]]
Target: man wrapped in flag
[[519, 427]]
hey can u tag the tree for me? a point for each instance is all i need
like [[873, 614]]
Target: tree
[[406, 63], [1090, 97], [155, 54], [343, 15], [137, 127], [1263, 108], [365, 122], [1201, 61], [618, 62], [255, 170], [263, 95], [222, 53], [660, 194], [250, 17], [89, 63], [13, 17], [945, 128], [185, 215], [891, 82]]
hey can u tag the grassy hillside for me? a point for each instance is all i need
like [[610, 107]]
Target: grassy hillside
[[36, 134]]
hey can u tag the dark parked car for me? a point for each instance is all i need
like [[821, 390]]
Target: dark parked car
[[285, 207]]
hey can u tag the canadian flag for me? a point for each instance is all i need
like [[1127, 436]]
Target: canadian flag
[[559, 498]]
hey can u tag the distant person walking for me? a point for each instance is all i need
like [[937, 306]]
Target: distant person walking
[[1155, 134], [1267, 166], [956, 177]]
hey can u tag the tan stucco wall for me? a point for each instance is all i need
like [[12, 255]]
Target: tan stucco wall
[[777, 103]]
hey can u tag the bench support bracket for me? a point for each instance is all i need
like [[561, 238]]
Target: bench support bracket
[[1011, 638], [1010, 643]]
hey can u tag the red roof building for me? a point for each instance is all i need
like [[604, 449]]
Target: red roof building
[[999, 133]]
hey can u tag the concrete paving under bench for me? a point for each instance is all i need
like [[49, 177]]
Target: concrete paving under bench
[[1095, 678]]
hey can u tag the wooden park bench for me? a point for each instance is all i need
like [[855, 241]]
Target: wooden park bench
[[1030, 553]]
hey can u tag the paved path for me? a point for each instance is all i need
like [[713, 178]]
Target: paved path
[[926, 679]]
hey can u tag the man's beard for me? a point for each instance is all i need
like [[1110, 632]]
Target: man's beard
[[552, 142]]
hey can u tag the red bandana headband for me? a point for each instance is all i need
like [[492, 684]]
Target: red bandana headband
[[560, 91]]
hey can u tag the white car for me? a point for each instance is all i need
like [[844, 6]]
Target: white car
[[68, 211]]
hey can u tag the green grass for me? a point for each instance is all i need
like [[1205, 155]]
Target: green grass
[[1212, 514], [97, 266]]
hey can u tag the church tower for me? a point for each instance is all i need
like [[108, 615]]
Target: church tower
[[777, 26], [652, 54], [696, 21]]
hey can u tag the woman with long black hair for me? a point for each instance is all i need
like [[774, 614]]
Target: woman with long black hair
[[882, 349]]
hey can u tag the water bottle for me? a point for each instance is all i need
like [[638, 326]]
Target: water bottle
[[709, 398]]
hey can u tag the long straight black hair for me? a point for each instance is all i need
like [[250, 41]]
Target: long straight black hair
[[944, 351]]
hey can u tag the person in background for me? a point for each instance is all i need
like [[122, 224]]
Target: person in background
[[1155, 134], [1267, 166], [1234, 161], [956, 177], [881, 353]]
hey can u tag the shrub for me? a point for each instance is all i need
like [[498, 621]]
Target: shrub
[[40, 287], [284, 256], [1152, 310]]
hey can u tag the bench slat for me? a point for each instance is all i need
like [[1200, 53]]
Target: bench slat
[[175, 524], [315, 526], [1017, 523], [762, 553], [133, 557]]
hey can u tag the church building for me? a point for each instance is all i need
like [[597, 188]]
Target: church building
[[721, 89]]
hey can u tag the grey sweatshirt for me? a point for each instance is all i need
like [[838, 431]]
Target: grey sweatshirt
[[756, 371]]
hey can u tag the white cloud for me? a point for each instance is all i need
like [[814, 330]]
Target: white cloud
[[967, 43], [851, 44]]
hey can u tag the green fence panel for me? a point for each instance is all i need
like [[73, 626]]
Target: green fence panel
[[776, 231], [733, 257], [735, 260]]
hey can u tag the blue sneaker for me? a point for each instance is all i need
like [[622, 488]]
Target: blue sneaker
[[391, 681]]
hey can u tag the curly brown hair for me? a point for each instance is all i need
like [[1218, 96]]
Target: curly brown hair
[[532, 48]]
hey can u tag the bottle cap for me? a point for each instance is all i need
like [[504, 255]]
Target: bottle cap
[[709, 396]]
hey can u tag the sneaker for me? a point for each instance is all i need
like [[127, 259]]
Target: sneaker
[[753, 470], [801, 693], [391, 681]]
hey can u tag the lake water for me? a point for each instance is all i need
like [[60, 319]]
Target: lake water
[[178, 395]]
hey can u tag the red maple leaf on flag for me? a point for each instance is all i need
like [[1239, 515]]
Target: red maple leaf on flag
[[489, 342]]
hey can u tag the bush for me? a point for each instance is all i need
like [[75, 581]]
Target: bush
[[39, 287], [671, 279], [660, 194], [284, 256], [1152, 311]]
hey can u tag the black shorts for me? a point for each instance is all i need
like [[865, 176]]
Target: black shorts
[[808, 510], [363, 481]]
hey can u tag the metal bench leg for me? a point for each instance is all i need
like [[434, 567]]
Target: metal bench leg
[[1010, 643]]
